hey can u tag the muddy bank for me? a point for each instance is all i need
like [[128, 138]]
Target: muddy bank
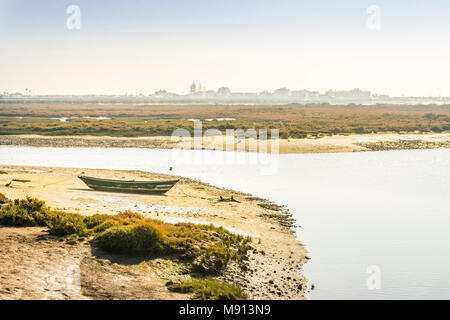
[[274, 270], [405, 144]]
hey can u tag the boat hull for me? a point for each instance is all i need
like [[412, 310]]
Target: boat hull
[[124, 186]]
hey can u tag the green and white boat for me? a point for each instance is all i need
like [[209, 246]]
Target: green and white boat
[[128, 186]]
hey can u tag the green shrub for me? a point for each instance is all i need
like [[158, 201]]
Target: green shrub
[[214, 260], [72, 239], [209, 248], [137, 238], [14, 216], [61, 224], [27, 212], [30, 204], [43, 217], [106, 225], [210, 289], [95, 220], [129, 215]]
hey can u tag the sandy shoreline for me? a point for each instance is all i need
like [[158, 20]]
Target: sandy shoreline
[[326, 144], [275, 265]]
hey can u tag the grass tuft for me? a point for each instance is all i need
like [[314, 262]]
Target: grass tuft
[[106, 225], [95, 220], [74, 238], [125, 215]]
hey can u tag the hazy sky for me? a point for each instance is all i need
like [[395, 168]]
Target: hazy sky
[[247, 45]]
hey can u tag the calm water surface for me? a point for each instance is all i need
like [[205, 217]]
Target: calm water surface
[[390, 210]]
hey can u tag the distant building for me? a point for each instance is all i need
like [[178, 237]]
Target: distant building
[[224, 91], [300, 94], [312, 95], [282, 92], [209, 94], [160, 93], [193, 88], [355, 94], [164, 94]]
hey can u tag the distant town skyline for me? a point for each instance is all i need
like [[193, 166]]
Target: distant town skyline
[[196, 88], [197, 93], [389, 47]]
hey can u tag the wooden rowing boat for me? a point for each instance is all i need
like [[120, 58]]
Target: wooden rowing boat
[[129, 186]]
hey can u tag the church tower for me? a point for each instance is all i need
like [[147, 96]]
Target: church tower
[[193, 88]]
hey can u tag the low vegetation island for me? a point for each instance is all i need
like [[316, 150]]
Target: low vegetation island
[[292, 121], [316, 128]]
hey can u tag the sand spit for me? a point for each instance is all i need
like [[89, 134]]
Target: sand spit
[[275, 266]]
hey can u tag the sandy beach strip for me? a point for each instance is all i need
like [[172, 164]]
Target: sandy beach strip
[[275, 266], [325, 144]]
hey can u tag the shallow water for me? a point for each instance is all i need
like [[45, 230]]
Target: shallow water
[[388, 212]]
